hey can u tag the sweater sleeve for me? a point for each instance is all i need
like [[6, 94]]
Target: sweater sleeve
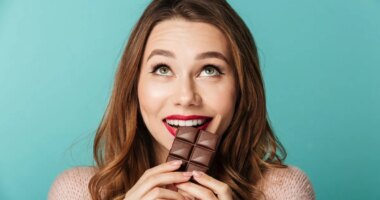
[[287, 184], [72, 184]]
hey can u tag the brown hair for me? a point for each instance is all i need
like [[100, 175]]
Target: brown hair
[[248, 147]]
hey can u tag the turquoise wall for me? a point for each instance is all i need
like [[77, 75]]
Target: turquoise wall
[[320, 61]]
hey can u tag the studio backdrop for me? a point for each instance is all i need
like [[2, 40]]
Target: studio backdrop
[[320, 62]]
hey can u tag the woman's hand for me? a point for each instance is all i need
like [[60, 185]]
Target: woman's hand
[[208, 188], [148, 187]]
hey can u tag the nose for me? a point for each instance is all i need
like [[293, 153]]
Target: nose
[[186, 94]]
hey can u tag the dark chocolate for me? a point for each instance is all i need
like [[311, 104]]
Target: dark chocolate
[[196, 148]]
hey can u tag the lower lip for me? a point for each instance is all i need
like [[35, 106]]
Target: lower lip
[[173, 131]]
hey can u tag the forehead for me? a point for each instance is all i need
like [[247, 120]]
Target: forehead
[[186, 36]]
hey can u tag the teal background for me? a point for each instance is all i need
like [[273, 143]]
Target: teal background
[[320, 61]]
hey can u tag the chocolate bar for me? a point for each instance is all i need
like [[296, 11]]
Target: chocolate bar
[[196, 148]]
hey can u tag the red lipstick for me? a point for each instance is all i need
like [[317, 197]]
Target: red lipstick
[[188, 117], [173, 130]]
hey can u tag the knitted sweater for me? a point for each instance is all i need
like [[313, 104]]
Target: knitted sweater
[[278, 184]]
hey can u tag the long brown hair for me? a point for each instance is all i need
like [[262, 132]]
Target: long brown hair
[[248, 147]]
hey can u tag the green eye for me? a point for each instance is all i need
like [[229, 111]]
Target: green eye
[[162, 70], [210, 70]]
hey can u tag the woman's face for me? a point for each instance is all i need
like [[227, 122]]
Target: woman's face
[[186, 79]]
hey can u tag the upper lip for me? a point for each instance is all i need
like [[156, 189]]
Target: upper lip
[[186, 117]]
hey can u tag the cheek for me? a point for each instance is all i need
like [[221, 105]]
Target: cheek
[[222, 100], [227, 106], [151, 97]]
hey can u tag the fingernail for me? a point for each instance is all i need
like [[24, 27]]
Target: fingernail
[[187, 174], [176, 162], [197, 174]]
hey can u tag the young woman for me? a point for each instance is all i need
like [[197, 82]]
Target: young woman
[[187, 62]]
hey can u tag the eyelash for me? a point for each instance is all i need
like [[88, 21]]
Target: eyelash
[[157, 66]]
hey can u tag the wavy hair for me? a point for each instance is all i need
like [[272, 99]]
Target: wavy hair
[[248, 147]]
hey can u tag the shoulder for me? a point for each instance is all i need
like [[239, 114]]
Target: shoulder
[[72, 184], [288, 183]]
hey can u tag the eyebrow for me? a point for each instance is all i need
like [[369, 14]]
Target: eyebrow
[[207, 54]]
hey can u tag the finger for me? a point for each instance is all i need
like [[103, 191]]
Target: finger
[[168, 178], [162, 168], [161, 180], [222, 190], [186, 195], [197, 191], [171, 187], [162, 193]]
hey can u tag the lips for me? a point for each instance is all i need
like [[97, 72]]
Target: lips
[[172, 130]]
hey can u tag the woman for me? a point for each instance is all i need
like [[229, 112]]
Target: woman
[[187, 62]]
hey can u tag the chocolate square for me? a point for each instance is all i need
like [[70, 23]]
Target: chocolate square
[[196, 148], [181, 149], [208, 140]]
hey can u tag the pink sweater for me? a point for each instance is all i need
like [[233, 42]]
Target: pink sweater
[[285, 184]]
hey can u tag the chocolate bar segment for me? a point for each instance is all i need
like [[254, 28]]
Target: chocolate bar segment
[[207, 140], [187, 133], [201, 156], [181, 149], [196, 148]]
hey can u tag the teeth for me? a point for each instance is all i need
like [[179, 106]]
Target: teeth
[[189, 123], [181, 123], [194, 122]]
